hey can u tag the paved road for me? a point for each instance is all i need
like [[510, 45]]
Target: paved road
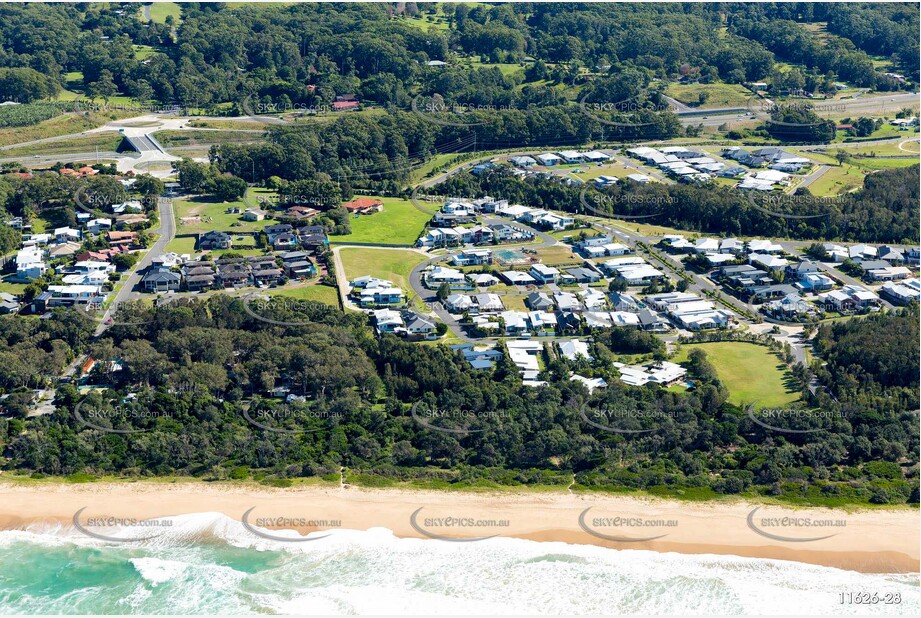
[[877, 105], [811, 178], [167, 231], [429, 297]]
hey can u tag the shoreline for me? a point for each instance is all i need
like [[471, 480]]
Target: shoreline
[[868, 541]]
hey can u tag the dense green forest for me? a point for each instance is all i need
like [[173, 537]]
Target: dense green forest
[[884, 210], [310, 53], [189, 377]]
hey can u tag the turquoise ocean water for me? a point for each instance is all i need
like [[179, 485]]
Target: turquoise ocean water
[[208, 563]]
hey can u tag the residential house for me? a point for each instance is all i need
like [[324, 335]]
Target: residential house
[[583, 275], [472, 257], [901, 293], [30, 264], [440, 274], [65, 234], [364, 206], [125, 240], [488, 303], [419, 327], [459, 303], [767, 261], [284, 242], [888, 273], [274, 231], [482, 279], [374, 295], [549, 159], [538, 301], [542, 321], [523, 162], [567, 302], [849, 298], [573, 349], [97, 226], [791, 306], [213, 240], [71, 295], [516, 277], [387, 320], [862, 252], [198, 276], [544, 274], [8, 303], [161, 281]]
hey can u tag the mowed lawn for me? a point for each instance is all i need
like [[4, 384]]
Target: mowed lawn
[[752, 373], [319, 293], [391, 264], [400, 223]]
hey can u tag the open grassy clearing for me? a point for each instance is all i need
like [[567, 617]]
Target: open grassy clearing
[[160, 10], [176, 139], [66, 124], [319, 293], [614, 168], [107, 141], [752, 373], [837, 180], [717, 95], [392, 264], [182, 244], [400, 223], [199, 215]]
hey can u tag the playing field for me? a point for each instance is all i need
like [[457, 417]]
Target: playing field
[[752, 373], [400, 223]]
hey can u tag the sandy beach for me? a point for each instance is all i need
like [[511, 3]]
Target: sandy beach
[[870, 541]]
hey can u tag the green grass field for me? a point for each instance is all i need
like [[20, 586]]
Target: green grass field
[[159, 11], [182, 244], [107, 141], [837, 180], [392, 264], [200, 215], [752, 373], [319, 293], [400, 223], [718, 95]]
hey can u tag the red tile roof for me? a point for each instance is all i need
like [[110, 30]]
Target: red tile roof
[[362, 203]]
